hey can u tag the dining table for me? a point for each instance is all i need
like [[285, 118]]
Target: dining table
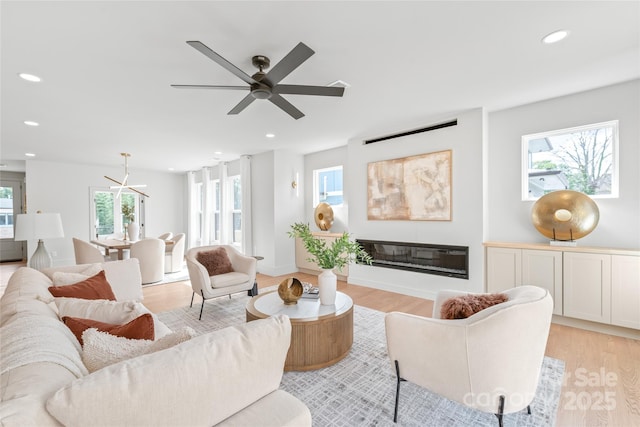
[[119, 245]]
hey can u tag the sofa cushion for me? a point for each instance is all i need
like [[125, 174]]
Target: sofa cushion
[[123, 275], [463, 306], [26, 293], [102, 349], [116, 312], [139, 328], [199, 382], [216, 261], [95, 287], [228, 279], [63, 278]]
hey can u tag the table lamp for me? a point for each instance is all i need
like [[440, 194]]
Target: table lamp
[[39, 226]]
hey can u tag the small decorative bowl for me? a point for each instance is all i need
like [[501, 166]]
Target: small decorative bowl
[[290, 290]]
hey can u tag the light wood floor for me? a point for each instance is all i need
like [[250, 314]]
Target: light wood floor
[[602, 372]]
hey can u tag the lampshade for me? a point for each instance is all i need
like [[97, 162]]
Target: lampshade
[[38, 226]]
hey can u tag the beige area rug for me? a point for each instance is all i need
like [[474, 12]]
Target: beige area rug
[[360, 389]]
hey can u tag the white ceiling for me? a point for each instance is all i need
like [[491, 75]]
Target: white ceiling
[[107, 66]]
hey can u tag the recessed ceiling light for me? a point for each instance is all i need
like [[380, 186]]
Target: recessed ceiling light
[[31, 123], [555, 37], [29, 77], [29, 154], [217, 152], [172, 169], [270, 135], [3, 165]]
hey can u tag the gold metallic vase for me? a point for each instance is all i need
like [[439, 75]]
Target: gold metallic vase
[[290, 290], [565, 215]]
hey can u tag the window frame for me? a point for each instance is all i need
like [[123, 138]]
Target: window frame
[[316, 184], [118, 226], [615, 164]]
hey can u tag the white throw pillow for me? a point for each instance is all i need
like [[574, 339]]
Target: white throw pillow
[[114, 312], [63, 278], [103, 349], [199, 382]]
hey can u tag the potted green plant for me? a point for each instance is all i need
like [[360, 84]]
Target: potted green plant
[[338, 254]]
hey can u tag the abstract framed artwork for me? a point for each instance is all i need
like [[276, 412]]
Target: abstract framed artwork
[[415, 188]]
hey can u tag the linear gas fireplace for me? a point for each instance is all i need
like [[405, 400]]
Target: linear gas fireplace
[[444, 260]]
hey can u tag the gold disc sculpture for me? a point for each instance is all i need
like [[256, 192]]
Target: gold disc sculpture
[[565, 215], [323, 215], [290, 290]]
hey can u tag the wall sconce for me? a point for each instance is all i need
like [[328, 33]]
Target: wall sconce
[[294, 183], [39, 226]]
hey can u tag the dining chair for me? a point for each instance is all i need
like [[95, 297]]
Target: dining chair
[[150, 254], [86, 253], [174, 254]]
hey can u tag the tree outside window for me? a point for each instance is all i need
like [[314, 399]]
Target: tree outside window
[[582, 159]]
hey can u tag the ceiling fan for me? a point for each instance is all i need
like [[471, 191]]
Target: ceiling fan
[[124, 184], [267, 85]]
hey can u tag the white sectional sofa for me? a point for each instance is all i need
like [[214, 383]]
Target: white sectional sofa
[[227, 377]]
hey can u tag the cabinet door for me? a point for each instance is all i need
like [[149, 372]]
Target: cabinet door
[[587, 286], [302, 255], [504, 269], [625, 291], [544, 269]]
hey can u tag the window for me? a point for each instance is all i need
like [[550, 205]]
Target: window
[[109, 214], [216, 211], [327, 186], [6, 212], [583, 158], [236, 211]]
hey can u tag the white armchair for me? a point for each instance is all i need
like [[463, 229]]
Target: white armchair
[[489, 361], [150, 254], [165, 236], [86, 253], [242, 278], [174, 254]]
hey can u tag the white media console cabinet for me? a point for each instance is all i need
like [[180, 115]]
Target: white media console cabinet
[[592, 288]]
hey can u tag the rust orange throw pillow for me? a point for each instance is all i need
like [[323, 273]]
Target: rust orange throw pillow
[[140, 328], [215, 261], [95, 287], [463, 306]]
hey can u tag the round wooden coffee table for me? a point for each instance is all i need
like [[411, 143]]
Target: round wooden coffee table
[[321, 335]]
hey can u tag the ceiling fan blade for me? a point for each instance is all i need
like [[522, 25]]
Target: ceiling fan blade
[[210, 87], [297, 56], [242, 104], [308, 90], [286, 106], [202, 48]]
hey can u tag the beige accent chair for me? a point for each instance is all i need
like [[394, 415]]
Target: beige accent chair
[[86, 253], [174, 254], [242, 278], [489, 361], [150, 254], [166, 236]]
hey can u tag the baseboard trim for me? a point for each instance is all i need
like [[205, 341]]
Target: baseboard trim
[[602, 328]]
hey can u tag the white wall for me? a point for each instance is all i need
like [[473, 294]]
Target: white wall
[[65, 188], [275, 208], [465, 229], [509, 217]]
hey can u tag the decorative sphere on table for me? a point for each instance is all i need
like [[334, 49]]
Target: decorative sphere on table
[[290, 290]]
